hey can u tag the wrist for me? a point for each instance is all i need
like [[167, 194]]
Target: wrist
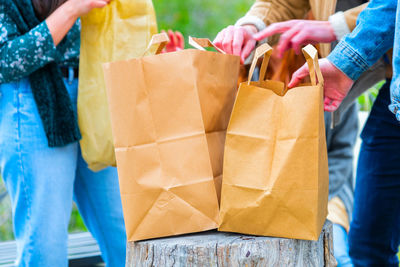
[[347, 60], [69, 9], [61, 21], [250, 28], [331, 30], [249, 20]]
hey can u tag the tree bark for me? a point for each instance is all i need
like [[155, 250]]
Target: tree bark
[[230, 250]]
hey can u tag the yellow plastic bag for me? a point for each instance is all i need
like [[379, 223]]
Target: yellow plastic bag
[[119, 31]]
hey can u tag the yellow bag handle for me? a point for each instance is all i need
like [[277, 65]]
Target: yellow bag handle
[[160, 39], [310, 53], [201, 43]]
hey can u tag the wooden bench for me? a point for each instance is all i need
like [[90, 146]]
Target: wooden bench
[[82, 251], [214, 249]]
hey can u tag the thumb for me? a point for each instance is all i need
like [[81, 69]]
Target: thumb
[[298, 75]]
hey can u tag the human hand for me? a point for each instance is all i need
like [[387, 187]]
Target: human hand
[[65, 16], [297, 33], [237, 40], [176, 42], [336, 83], [82, 7]]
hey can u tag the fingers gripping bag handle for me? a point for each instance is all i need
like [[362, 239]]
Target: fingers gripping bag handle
[[310, 53], [201, 43]]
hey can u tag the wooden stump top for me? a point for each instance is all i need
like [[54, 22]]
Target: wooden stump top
[[220, 249]]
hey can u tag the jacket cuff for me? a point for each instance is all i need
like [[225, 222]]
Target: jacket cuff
[[339, 25], [256, 22], [45, 39], [348, 60], [252, 20]]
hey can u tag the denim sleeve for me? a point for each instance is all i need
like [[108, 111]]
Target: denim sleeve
[[20, 55], [372, 37]]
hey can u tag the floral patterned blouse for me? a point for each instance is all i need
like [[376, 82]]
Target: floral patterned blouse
[[22, 54]]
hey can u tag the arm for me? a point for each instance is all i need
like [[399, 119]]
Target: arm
[[345, 22], [238, 39], [272, 11], [297, 33], [64, 17], [357, 52], [372, 37], [21, 55], [295, 10], [351, 15]]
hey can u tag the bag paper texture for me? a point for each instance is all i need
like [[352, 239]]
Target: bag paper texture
[[276, 175], [169, 115]]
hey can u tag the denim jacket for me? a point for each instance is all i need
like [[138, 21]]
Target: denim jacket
[[373, 36]]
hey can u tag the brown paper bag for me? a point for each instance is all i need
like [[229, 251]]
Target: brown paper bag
[[169, 114], [275, 179]]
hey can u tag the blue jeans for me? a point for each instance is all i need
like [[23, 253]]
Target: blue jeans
[[341, 246], [43, 181], [374, 231]]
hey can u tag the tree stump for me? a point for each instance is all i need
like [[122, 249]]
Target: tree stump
[[219, 249]]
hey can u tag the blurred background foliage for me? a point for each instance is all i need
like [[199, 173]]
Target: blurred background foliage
[[203, 19], [366, 100]]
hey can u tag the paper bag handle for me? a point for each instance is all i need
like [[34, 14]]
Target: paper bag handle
[[160, 39], [263, 50], [311, 55], [201, 43]]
